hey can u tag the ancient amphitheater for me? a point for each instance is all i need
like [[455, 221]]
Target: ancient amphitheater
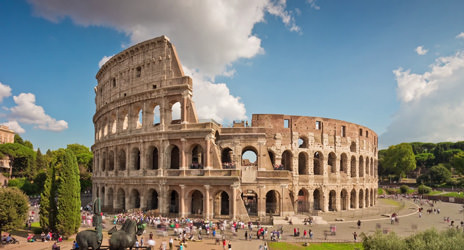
[[153, 153]]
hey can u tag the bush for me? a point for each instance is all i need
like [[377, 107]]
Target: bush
[[423, 189], [380, 191], [404, 189], [391, 190]]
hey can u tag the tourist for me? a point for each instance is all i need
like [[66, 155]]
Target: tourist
[[151, 241], [75, 245], [55, 246], [230, 245], [359, 224], [224, 244], [310, 234], [171, 243], [246, 235], [355, 236], [141, 241]]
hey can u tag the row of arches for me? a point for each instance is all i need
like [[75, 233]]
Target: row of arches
[[139, 118]]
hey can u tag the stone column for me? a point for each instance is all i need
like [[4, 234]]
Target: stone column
[[207, 210], [338, 201], [356, 199], [207, 163], [325, 200], [182, 201], [183, 161], [261, 201], [234, 200], [281, 205]]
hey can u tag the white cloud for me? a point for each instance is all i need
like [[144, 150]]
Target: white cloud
[[209, 35], [461, 35], [214, 101], [14, 125], [104, 60], [421, 51], [26, 111], [431, 103], [5, 91], [313, 4]]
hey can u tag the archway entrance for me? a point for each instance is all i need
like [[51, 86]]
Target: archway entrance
[[250, 200], [272, 203], [196, 203], [317, 200], [353, 199], [174, 202], [134, 199], [221, 203], [361, 198], [344, 199], [121, 200], [332, 201], [303, 202], [152, 200]]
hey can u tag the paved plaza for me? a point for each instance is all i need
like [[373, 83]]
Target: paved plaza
[[409, 223]]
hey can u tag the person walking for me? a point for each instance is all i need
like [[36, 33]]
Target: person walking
[[359, 224], [246, 235], [355, 236]]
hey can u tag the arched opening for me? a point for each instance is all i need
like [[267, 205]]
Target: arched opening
[[105, 130], [353, 199], [226, 158], [135, 159], [302, 163], [122, 160], [221, 203], [344, 199], [272, 203], [372, 197], [113, 127], [317, 199], [125, 123], [367, 166], [175, 113], [152, 202], [303, 201], [103, 167], [332, 200], [111, 160], [367, 197], [361, 166], [110, 198], [344, 163], [272, 157], [249, 157], [250, 200], [303, 142], [197, 157], [196, 203], [156, 116], [139, 119], [102, 196], [174, 202], [353, 166], [331, 162], [361, 198], [121, 200], [174, 163], [353, 147], [318, 162], [372, 167], [134, 199], [154, 157], [287, 160]]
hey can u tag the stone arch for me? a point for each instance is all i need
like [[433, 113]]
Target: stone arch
[[332, 200], [113, 127], [105, 129], [174, 157], [344, 202], [125, 122], [367, 166], [197, 159], [353, 166], [156, 115], [366, 195], [272, 203], [111, 160], [361, 198], [353, 147], [153, 158], [122, 159], [135, 158], [318, 163], [152, 199], [221, 203], [317, 199], [271, 157], [372, 167], [371, 199], [303, 142], [110, 199], [103, 162], [361, 166], [226, 158], [249, 153], [303, 163], [139, 121], [173, 202], [175, 113], [102, 196], [250, 201], [134, 199], [196, 202], [331, 162], [353, 199], [121, 200], [343, 163], [287, 160], [303, 204]]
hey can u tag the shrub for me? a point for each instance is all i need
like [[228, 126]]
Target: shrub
[[380, 191], [423, 189], [404, 189]]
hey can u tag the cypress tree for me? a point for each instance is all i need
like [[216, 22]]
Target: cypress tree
[[47, 202]]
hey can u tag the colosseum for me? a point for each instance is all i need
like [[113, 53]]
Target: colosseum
[[151, 151]]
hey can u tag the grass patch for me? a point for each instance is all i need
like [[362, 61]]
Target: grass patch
[[392, 202], [435, 192], [314, 246], [454, 194]]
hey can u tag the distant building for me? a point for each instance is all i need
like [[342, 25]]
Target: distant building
[[6, 136]]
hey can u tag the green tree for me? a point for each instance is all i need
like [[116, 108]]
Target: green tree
[[399, 159], [23, 159], [458, 162], [439, 174], [48, 202], [13, 209], [40, 160], [68, 193], [424, 160]]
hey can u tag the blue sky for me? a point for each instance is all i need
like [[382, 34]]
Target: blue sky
[[396, 67]]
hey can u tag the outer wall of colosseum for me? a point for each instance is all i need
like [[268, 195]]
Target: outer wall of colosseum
[[153, 153]]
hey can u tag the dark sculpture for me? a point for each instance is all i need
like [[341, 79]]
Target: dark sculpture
[[92, 238], [125, 237]]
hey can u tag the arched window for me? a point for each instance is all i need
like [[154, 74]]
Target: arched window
[[331, 162], [111, 167], [156, 115], [361, 166], [287, 161], [353, 147], [125, 123], [303, 142], [174, 158], [302, 163], [318, 161], [226, 158], [249, 157], [139, 119], [154, 158], [197, 157], [122, 160], [175, 113], [135, 159], [344, 163], [353, 166]]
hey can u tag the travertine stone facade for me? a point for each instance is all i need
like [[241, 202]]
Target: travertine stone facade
[[6, 136], [151, 151]]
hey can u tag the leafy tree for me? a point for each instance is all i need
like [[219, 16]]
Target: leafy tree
[[423, 189], [48, 202], [421, 147], [399, 159], [83, 155], [458, 162], [404, 189], [424, 160], [23, 159], [383, 241], [435, 176], [13, 209], [41, 161], [68, 193]]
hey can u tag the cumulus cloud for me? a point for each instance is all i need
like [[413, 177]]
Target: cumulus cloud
[[461, 35], [420, 50], [14, 125], [104, 60], [313, 4], [26, 111], [5, 91], [431, 103]]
